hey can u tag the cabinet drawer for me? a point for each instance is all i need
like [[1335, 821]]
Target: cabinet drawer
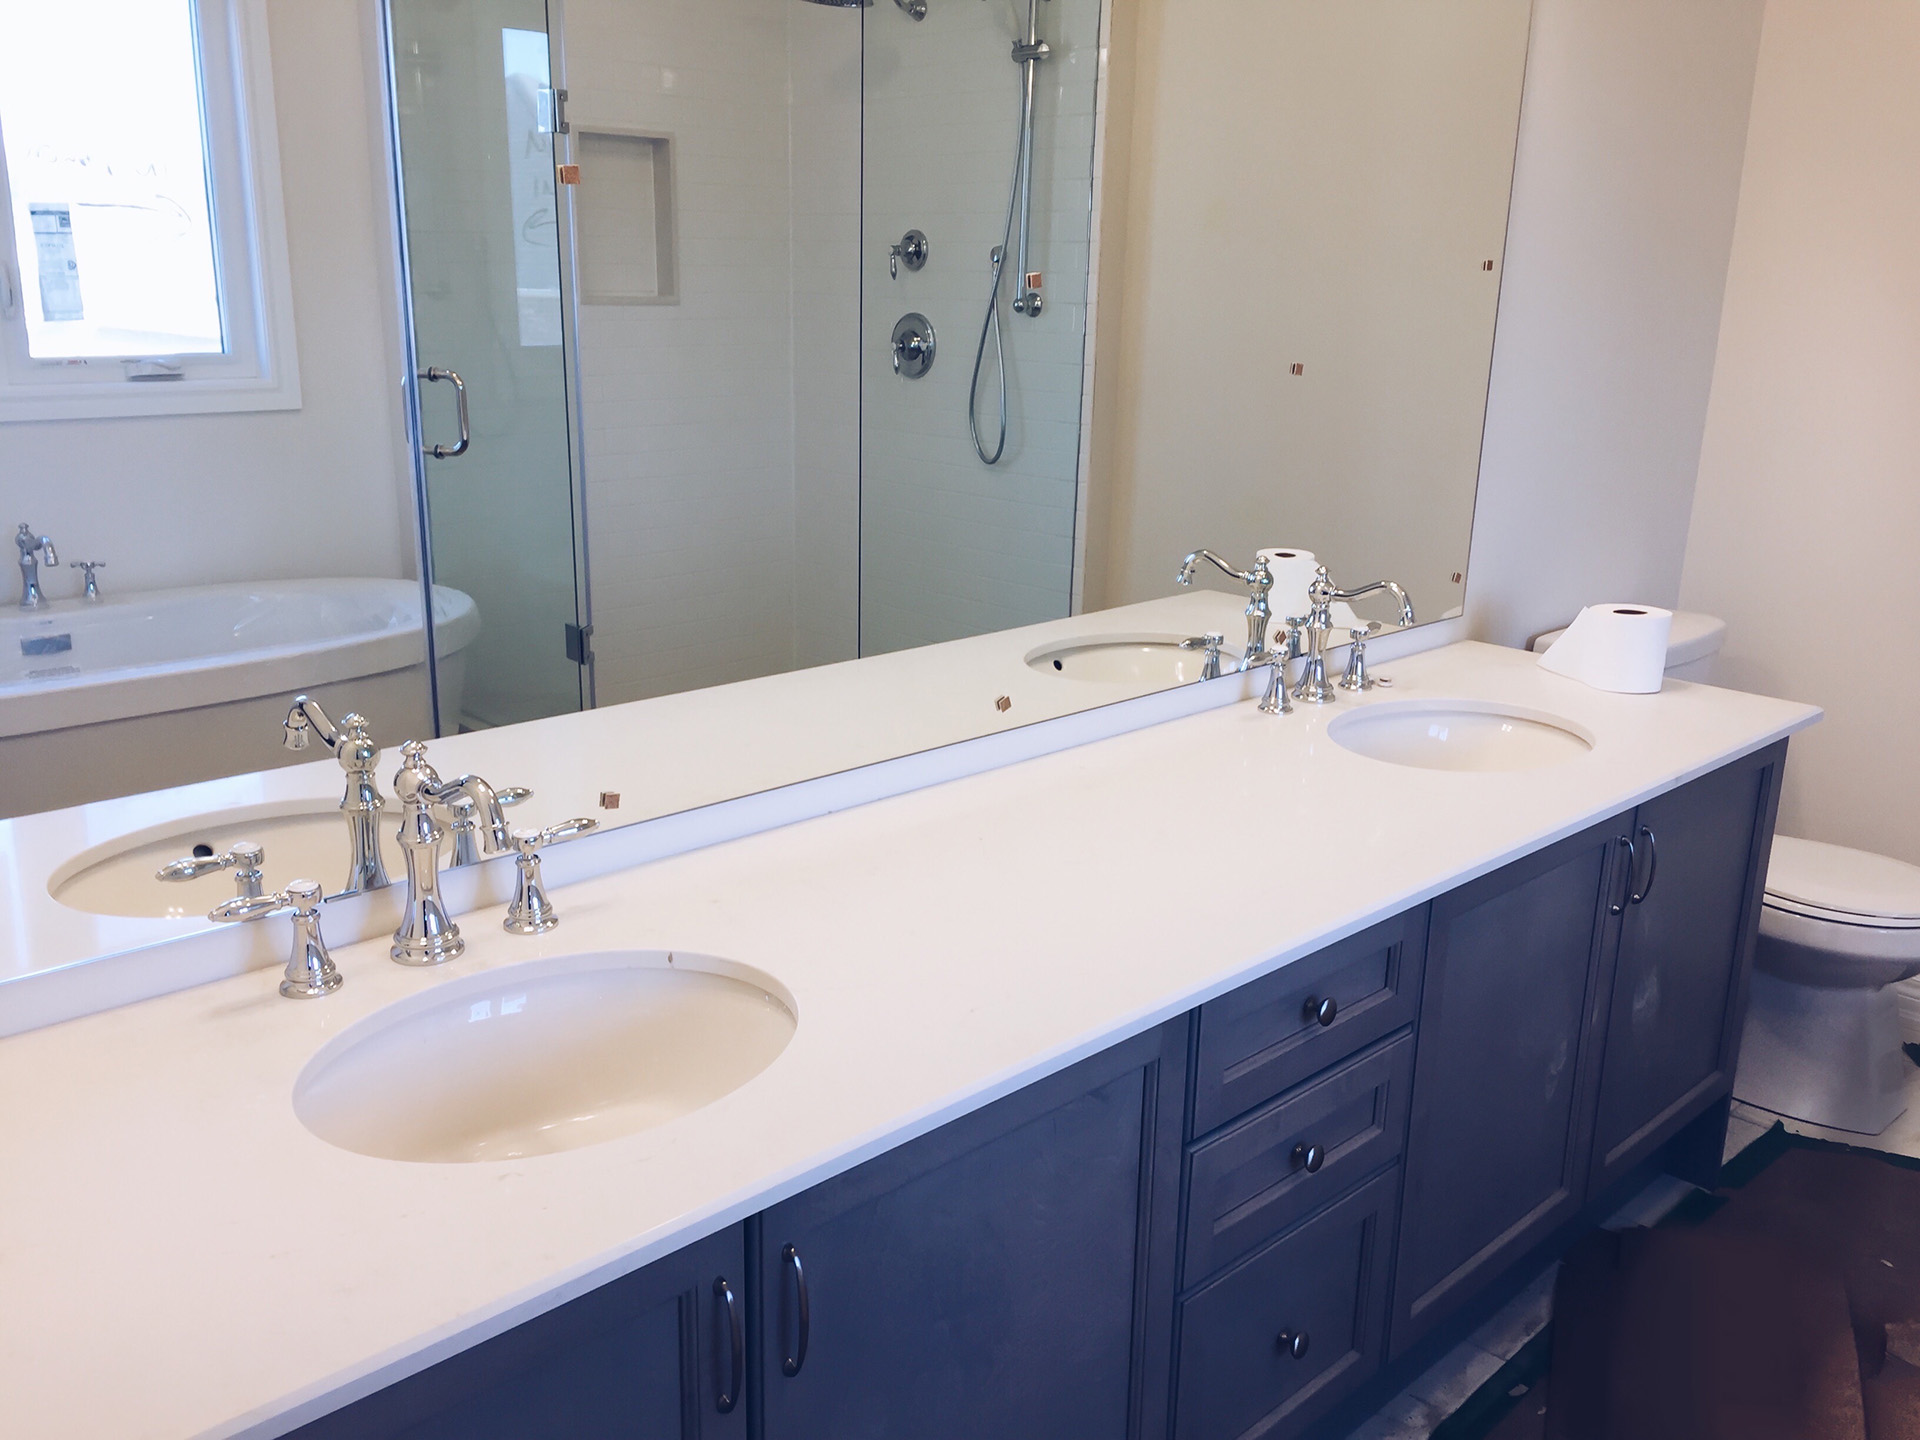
[[1267, 1037], [1250, 1181], [1237, 1378]]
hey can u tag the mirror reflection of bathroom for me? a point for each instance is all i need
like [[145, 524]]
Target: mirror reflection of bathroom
[[651, 348]]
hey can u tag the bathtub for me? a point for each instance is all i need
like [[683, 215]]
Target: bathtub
[[140, 692]]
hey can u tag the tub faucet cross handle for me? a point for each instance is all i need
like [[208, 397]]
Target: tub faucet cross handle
[[93, 583]]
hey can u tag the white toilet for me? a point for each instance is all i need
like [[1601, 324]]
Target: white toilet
[[1838, 929]]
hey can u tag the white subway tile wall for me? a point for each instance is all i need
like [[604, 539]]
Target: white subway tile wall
[[951, 546]]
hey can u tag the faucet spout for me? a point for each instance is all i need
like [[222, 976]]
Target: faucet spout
[[351, 741], [35, 550], [1259, 612]]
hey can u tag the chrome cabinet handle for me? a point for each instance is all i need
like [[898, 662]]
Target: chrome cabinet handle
[[441, 372], [1293, 1342], [1618, 907], [803, 1317], [1309, 1157], [729, 1315], [1638, 897], [1322, 1011]]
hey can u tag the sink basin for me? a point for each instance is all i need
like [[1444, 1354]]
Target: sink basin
[[304, 839], [545, 1056], [1137, 660], [1459, 735]]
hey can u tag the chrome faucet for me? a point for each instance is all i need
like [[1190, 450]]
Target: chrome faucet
[[1259, 583], [34, 549], [427, 935], [353, 744], [1313, 685]]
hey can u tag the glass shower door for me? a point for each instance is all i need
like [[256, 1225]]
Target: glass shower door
[[475, 121]]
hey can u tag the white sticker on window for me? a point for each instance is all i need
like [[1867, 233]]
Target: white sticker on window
[[59, 266]]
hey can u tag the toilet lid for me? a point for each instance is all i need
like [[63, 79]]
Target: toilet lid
[[1852, 886]]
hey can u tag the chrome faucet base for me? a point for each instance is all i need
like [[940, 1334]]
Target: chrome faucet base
[[431, 938]]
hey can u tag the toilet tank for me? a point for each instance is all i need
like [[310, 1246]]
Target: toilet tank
[[1691, 646]]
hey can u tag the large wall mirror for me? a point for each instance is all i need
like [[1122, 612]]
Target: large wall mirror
[[685, 344]]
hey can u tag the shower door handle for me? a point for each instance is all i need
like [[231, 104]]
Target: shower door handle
[[441, 372]]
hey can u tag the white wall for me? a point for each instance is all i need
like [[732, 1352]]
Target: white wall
[[1627, 179], [1806, 521], [321, 490], [1327, 186]]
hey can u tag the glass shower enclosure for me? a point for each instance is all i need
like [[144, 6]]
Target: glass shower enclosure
[[668, 247]]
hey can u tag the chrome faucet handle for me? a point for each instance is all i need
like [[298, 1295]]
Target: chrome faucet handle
[[1356, 676], [513, 795], [310, 969], [1211, 643], [243, 857], [93, 585], [531, 912], [1277, 700]]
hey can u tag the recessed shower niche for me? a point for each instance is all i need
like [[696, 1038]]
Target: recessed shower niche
[[626, 218]]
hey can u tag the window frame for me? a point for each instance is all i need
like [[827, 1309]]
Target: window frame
[[260, 369]]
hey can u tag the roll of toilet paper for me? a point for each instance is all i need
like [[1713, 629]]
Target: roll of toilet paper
[[1622, 648], [1292, 570]]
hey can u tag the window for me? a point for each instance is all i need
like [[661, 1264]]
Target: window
[[143, 261]]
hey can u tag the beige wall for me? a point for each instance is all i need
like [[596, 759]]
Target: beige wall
[[1322, 186], [1806, 520], [321, 490], [1625, 191]]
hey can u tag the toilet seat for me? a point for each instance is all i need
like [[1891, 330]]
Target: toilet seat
[[1840, 886], [1839, 917]]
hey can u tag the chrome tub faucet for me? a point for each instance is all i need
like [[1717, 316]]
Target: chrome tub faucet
[[352, 743], [34, 550]]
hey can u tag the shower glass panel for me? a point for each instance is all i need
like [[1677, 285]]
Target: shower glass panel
[[951, 545], [475, 115]]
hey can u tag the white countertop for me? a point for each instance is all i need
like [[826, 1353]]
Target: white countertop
[[668, 755], [180, 1257]]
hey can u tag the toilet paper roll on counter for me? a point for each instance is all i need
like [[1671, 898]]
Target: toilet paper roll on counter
[[1622, 648], [1293, 570]]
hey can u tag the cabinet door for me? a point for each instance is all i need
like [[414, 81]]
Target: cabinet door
[[1008, 1274], [1503, 1075], [654, 1355], [1686, 942]]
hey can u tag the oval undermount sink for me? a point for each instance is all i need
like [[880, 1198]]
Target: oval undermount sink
[[1138, 660], [1459, 735], [303, 839], [544, 1056]]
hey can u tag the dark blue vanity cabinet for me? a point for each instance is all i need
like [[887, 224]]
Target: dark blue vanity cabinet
[[656, 1355], [1291, 1203], [1248, 1224], [1009, 1274], [1581, 1006], [1697, 864]]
